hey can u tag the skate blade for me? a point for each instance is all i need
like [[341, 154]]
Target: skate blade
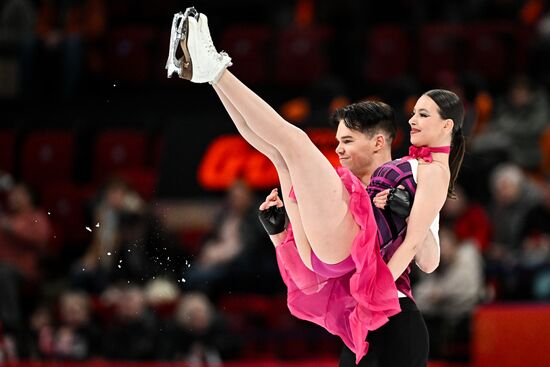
[[178, 34]]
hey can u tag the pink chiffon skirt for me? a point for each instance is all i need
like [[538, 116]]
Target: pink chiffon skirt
[[350, 305]]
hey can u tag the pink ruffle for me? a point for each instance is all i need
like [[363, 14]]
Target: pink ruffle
[[353, 304]]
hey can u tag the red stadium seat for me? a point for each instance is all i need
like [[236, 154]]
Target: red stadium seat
[[129, 54], [119, 9], [495, 50], [440, 50], [302, 55], [143, 180], [160, 10], [65, 202], [388, 54], [248, 46], [246, 311], [7, 150], [192, 239], [118, 150], [47, 156]]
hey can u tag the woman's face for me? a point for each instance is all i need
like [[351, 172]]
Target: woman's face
[[427, 126]]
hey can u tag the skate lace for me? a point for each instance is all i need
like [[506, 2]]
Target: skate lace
[[211, 49]]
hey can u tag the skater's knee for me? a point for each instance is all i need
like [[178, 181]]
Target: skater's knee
[[294, 142]]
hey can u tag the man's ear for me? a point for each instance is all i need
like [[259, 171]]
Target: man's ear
[[379, 142]]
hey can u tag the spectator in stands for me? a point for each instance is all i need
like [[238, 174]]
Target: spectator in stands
[[161, 250], [517, 125], [133, 334], [116, 203], [74, 336], [130, 242], [17, 26], [468, 220], [24, 234], [41, 326], [448, 297], [62, 28], [199, 334], [17, 20], [162, 296], [513, 196], [235, 253]]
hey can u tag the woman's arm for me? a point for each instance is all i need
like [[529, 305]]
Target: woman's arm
[[427, 256], [431, 192]]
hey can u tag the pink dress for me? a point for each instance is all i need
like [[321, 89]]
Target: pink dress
[[348, 305]]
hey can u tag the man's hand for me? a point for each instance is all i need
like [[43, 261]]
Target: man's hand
[[396, 200]]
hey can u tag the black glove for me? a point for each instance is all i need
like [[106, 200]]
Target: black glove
[[273, 219], [399, 202]]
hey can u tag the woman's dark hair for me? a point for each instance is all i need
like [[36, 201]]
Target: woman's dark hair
[[367, 117], [451, 107]]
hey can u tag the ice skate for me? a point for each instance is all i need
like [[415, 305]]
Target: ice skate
[[201, 62]]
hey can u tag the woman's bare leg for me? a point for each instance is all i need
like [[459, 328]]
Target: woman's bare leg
[[322, 198], [302, 243]]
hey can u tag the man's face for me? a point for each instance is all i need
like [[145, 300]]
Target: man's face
[[355, 149]]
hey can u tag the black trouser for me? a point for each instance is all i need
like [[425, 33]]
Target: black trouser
[[401, 342]]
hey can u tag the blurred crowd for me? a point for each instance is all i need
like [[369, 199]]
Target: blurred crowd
[[136, 292], [133, 289]]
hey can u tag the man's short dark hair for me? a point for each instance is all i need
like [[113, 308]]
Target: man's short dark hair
[[369, 117]]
